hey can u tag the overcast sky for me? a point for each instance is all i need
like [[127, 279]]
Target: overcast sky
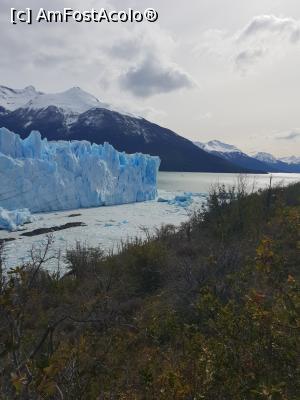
[[208, 69]]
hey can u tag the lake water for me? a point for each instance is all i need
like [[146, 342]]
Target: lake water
[[108, 226], [202, 182]]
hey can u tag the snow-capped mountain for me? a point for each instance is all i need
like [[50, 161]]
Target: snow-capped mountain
[[290, 160], [11, 99], [279, 164], [72, 102], [233, 154], [77, 115], [260, 161], [217, 146], [265, 157]]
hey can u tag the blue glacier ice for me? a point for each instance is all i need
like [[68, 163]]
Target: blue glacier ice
[[183, 200], [46, 176], [11, 220]]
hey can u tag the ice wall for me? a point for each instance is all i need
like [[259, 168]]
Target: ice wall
[[47, 176]]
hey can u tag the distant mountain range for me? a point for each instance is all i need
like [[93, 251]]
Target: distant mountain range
[[259, 162], [76, 114]]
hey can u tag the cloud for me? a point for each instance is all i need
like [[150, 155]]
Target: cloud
[[262, 38], [146, 74], [256, 39], [294, 135], [248, 57], [204, 116], [152, 76], [270, 25], [126, 49], [138, 42], [149, 112], [55, 57]]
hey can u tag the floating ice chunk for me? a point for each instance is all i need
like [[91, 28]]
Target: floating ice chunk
[[47, 176], [184, 200], [12, 220], [163, 200]]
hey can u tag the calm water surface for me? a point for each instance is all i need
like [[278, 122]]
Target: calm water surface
[[202, 182]]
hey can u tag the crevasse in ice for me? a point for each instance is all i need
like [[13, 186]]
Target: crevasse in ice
[[46, 176]]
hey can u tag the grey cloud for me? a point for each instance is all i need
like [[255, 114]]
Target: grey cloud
[[289, 136], [255, 40], [126, 49], [153, 77], [263, 24], [136, 44], [248, 57]]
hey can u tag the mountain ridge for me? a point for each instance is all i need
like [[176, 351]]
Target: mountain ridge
[[261, 161], [56, 118]]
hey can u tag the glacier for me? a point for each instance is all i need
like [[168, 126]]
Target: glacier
[[12, 220], [44, 176]]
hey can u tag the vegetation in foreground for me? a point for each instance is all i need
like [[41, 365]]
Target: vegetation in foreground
[[207, 311]]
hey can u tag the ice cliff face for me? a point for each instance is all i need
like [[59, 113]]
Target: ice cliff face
[[47, 176]]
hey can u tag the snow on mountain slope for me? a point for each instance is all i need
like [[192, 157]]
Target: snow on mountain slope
[[46, 176], [233, 154], [290, 160], [12, 99], [217, 146], [228, 151], [72, 102], [265, 157], [279, 164]]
